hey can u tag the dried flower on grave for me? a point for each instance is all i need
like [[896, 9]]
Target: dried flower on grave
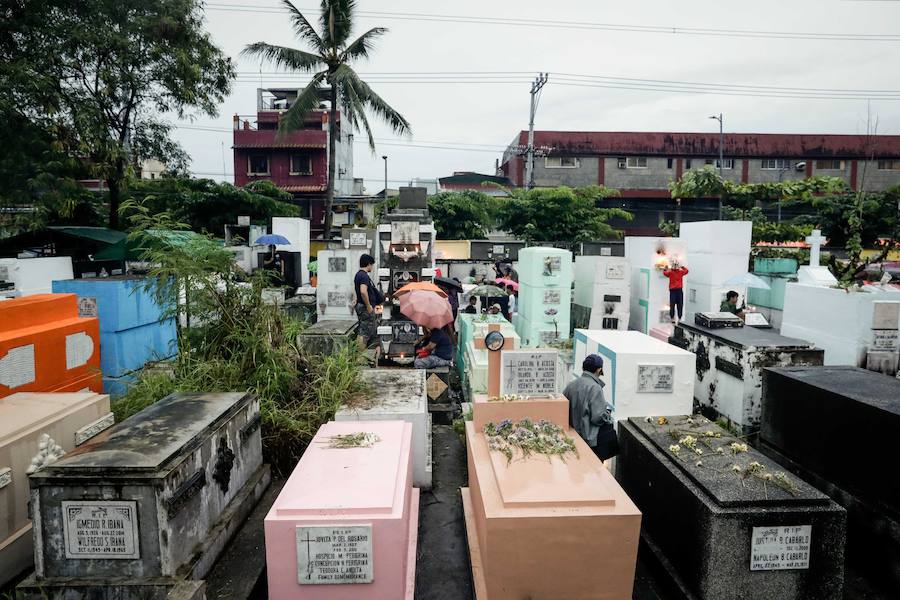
[[689, 420], [720, 450], [675, 449], [528, 437], [754, 468], [712, 434], [363, 439], [662, 421], [767, 477], [507, 398], [689, 441], [699, 463], [785, 482], [698, 451], [736, 468], [737, 448]]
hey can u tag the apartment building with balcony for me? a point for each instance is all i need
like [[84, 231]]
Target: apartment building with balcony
[[296, 161], [641, 165]]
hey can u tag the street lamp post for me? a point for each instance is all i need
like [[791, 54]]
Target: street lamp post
[[721, 121], [385, 177]]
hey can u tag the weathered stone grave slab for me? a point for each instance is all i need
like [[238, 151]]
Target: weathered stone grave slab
[[328, 336], [836, 427], [721, 518], [537, 525], [345, 524], [151, 501], [730, 362], [37, 429], [397, 394]]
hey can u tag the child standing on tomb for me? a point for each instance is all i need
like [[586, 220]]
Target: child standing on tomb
[[589, 414], [676, 273]]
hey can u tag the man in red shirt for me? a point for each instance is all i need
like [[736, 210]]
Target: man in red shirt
[[676, 273]]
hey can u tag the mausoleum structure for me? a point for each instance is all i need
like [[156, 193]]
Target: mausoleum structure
[[545, 295], [723, 520], [46, 347], [602, 293], [648, 257], [716, 252], [730, 362], [296, 230], [831, 426], [150, 503], [30, 276], [344, 527], [35, 430]]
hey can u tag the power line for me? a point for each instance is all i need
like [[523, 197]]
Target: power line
[[546, 23]]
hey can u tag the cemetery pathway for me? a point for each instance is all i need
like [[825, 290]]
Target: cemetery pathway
[[442, 565]]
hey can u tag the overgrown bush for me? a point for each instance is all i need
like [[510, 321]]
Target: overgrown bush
[[236, 343]]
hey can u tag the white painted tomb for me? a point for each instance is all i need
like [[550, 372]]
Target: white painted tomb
[[297, 231], [716, 252], [335, 295], [34, 275], [397, 395], [603, 286], [644, 376]]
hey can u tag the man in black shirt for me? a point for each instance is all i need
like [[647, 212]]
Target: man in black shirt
[[472, 308], [440, 348], [367, 298]]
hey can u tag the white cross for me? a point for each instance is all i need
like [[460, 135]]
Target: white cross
[[815, 242]]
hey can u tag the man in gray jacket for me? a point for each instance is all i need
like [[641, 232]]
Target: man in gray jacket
[[589, 414]]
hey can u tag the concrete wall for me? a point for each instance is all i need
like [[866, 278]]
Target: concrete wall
[[585, 173]]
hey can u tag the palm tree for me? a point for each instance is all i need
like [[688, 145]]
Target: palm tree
[[329, 60]]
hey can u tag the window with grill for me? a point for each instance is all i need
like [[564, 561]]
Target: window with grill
[[301, 164], [258, 164]]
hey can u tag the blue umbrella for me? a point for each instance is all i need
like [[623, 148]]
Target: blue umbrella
[[747, 280], [272, 239]]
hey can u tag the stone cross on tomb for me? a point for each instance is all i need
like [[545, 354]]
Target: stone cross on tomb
[[494, 351], [815, 242]]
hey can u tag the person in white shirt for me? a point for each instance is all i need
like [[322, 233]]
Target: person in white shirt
[[512, 300]]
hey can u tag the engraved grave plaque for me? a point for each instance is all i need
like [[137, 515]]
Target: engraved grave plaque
[[337, 264], [780, 548], [334, 554], [528, 373], [659, 379], [101, 529]]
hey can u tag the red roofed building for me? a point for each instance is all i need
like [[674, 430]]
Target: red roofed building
[[296, 162], [641, 165], [468, 180]]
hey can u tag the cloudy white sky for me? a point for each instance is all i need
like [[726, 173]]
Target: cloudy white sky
[[463, 86]]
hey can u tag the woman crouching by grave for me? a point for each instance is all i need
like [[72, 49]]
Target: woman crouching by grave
[[589, 414], [436, 350]]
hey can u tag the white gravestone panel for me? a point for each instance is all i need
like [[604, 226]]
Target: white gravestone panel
[[334, 554], [656, 379], [528, 373], [87, 306], [101, 529], [551, 296], [404, 232], [79, 348], [615, 271], [358, 239], [17, 367], [780, 548]]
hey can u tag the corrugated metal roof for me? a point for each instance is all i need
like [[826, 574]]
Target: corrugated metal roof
[[97, 234], [303, 188], [276, 144], [774, 145]]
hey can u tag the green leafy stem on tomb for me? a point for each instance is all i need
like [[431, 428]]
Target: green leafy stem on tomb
[[691, 433], [527, 438], [362, 439]]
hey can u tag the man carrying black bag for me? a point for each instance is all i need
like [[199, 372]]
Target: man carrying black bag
[[589, 414]]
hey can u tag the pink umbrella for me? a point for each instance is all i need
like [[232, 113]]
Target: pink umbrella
[[505, 282], [425, 308]]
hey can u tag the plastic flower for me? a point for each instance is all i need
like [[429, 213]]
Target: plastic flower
[[674, 448]]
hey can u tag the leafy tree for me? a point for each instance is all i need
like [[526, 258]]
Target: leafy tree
[[207, 206], [99, 74], [560, 214], [764, 230], [465, 215], [329, 59], [706, 183]]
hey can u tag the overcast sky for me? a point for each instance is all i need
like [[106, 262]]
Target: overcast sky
[[479, 114]]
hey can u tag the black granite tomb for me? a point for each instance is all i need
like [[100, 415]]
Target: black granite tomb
[[726, 522], [837, 427]]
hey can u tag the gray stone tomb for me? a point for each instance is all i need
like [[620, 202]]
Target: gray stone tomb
[[144, 509]]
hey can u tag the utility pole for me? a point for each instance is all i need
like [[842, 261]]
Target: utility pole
[[385, 177], [721, 121], [536, 87]]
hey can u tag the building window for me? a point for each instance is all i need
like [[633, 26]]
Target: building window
[[636, 162], [829, 165], [727, 163], [301, 164], [560, 162], [774, 164], [669, 162], [687, 163], [889, 165], [257, 164]]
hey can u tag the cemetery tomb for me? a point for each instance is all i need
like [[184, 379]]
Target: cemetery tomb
[[133, 330], [328, 336], [849, 316], [730, 363], [643, 375], [649, 289], [45, 345], [835, 426], [397, 394], [34, 275], [537, 524], [545, 295], [814, 273], [471, 326], [476, 359], [335, 294], [716, 251], [37, 429], [345, 525], [723, 520], [610, 298], [297, 231], [153, 500]]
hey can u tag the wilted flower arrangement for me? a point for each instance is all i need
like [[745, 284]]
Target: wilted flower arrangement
[[363, 439], [507, 398], [528, 437]]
